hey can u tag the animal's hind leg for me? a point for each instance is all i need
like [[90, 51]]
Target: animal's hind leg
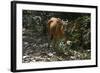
[[50, 44]]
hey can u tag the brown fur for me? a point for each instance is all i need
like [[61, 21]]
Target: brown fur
[[55, 28]]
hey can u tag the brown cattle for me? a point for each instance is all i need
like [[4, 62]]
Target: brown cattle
[[55, 28]]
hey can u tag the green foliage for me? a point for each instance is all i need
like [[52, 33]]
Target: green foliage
[[78, 31], [60, 46]]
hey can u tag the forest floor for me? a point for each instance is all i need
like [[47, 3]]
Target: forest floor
[[35, 49]]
